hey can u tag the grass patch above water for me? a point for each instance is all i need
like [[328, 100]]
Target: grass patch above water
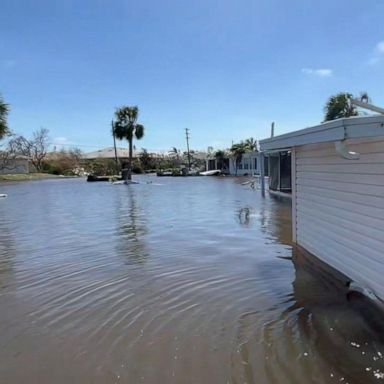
[[30, 176]]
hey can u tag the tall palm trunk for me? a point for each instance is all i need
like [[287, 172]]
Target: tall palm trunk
[[129, 173]]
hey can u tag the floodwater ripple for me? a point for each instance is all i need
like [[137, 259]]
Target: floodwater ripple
[[186, 280]]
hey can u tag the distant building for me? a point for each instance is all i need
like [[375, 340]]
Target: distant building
[[248, 166], [18, 165], [109, 153]]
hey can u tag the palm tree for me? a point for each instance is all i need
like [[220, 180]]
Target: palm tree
[[251, 144], [174, 153], [126, 127], [3, 118], [339, 106], [237, 151]]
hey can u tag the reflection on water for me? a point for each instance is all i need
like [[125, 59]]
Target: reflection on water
[[131, 228], [189, 281]]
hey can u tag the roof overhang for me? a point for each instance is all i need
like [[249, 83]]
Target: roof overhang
[[340, 129]]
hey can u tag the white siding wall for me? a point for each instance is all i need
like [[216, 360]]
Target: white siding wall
[[339, 208], [249, 165]]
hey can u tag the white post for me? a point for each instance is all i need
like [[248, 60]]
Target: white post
[[262, 176], [293, 186]]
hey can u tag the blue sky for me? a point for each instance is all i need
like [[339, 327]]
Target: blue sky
[[223, 68]]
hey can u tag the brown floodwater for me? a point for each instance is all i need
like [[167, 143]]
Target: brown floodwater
[[174, 280]]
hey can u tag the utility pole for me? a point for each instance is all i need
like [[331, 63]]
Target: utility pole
[[189, 156], [114, 141]]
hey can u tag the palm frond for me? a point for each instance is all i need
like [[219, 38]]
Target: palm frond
[[139, 131]]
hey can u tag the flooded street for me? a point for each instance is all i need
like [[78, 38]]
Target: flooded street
[[179, 280]]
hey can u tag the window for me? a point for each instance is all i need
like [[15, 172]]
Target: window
[[255, 162]]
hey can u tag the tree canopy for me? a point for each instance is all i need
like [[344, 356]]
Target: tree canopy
[[4, 109], [339, 106], [35, 148]]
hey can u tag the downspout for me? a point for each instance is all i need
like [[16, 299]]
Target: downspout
[[342, 149]]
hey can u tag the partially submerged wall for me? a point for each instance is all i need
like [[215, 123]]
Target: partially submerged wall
[[338, 208]]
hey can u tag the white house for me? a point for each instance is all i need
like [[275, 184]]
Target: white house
[[248, 166], [337, 171]]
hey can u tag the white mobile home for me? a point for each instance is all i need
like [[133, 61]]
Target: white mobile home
[[337, 172], [249, 165]]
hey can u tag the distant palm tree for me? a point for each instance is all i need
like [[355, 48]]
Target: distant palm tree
[[251, 144], [126, 127], [237, 151], [175, 154], [339, 106], [4, 109]]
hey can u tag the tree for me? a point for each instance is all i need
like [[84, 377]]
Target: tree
[[339, 106], [64, 162], [146, 160], [220, 156], [237, 151], [127, 128], [4, 109], [251, 144], [175, 155], [35, 149], [7, 156]]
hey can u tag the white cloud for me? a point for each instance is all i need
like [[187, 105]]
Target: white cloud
[[380, 47], [321, 72], [378, 54], [58, 141]]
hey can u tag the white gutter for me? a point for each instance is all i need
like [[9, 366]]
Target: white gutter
[[336, 130]]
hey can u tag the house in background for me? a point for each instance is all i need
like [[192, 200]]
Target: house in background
[[18, 165], [109, 153], [214, 163], [337, 173], [248, 166]]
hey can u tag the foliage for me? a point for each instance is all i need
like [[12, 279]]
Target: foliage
[[126, 128], [7, 155], [101, 167], [137, 166], [35, 149], [251, 144], [4, 109], [339, 106], [220, 156], [237, 151], [64, 162], [147, 160]]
